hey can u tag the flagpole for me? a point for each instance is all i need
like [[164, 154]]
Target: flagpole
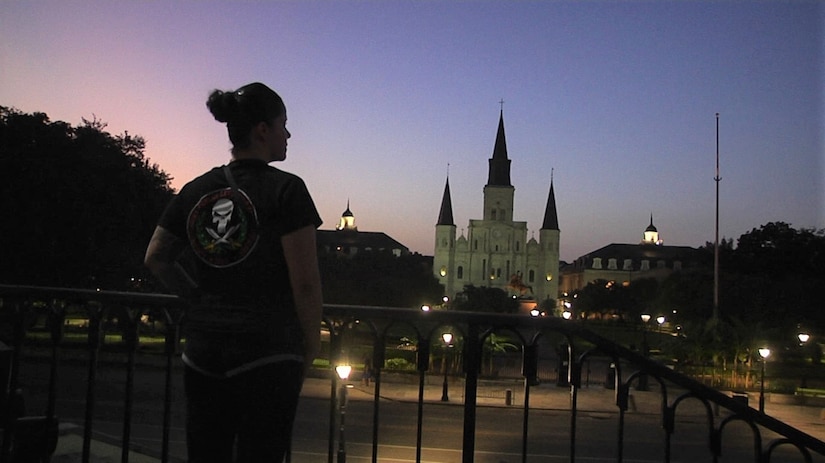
[[717, 178]]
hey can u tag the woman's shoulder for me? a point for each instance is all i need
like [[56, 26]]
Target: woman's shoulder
[[203, 179], [282, 175]]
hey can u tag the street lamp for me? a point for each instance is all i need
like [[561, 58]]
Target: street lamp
[[660, 320], [343, 372], [803, 338], [645, 349], [447, 338], [764, 352], [567, 314]]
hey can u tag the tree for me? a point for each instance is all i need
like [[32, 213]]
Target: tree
[[485, 299], [610, 299], [774, 276], [80, 203], [378, 278]]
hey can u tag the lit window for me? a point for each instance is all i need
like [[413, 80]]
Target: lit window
[[443, 271]]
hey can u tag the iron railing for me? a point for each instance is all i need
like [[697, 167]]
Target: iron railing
[[26, 307]]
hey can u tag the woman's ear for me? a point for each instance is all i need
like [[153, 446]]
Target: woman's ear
[[260, 130]]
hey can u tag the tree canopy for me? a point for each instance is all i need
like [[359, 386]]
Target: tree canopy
[[379, 278], [80, 203]]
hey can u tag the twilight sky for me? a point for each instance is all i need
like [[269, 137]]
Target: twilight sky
[[617, 98]]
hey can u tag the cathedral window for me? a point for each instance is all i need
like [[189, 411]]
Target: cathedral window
[[531, 276], [493, 214], [459, 272]]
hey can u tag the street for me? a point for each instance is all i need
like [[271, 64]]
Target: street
[[498, 431]]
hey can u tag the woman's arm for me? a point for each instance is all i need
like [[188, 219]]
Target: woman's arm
[[302, 261], [163, 249]]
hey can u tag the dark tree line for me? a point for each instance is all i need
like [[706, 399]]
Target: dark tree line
[[769, 289], [79, 203], [379, 278]]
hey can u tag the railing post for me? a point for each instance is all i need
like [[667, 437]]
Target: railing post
[[378, 354], [529, 370], [130, 324], [95, 312], [422, 363], [170, 348], [472, 365]]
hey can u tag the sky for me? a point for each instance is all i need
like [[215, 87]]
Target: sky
[[615, 100]]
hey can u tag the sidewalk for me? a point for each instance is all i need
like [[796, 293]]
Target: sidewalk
[[548, 396]]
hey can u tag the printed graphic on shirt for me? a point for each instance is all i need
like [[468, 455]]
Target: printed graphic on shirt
[[223, 228]]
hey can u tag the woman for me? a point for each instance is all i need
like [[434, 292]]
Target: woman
[[239, 243]]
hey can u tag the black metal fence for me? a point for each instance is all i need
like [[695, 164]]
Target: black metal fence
[[43, 319]]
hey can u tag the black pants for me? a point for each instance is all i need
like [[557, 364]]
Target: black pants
[[253, 411]]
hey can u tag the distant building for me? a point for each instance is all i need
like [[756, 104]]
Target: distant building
[[496, 251], [623, 263], [347, 240]]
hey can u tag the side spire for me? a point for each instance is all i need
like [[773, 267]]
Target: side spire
[[445, 216], [551, 218]]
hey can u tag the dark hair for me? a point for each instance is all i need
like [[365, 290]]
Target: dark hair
[[243, 108]]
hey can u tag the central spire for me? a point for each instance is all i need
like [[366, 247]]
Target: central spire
[[499, 174]]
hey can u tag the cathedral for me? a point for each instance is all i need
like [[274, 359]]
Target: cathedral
[[496, 251]]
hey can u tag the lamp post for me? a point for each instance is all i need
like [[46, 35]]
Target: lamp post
[[343, 372], [645, 349], [447, 338], [660, 320], [803, 339], [764, 352]]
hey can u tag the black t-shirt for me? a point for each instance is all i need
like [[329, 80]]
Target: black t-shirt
[[234, 236]]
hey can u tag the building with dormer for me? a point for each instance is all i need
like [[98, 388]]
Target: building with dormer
[[496, 251], [623, 263], [347, 240]]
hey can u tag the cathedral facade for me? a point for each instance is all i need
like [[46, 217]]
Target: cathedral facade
[[496, 251]]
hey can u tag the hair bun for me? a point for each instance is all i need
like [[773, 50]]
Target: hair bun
[[223, 105]]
